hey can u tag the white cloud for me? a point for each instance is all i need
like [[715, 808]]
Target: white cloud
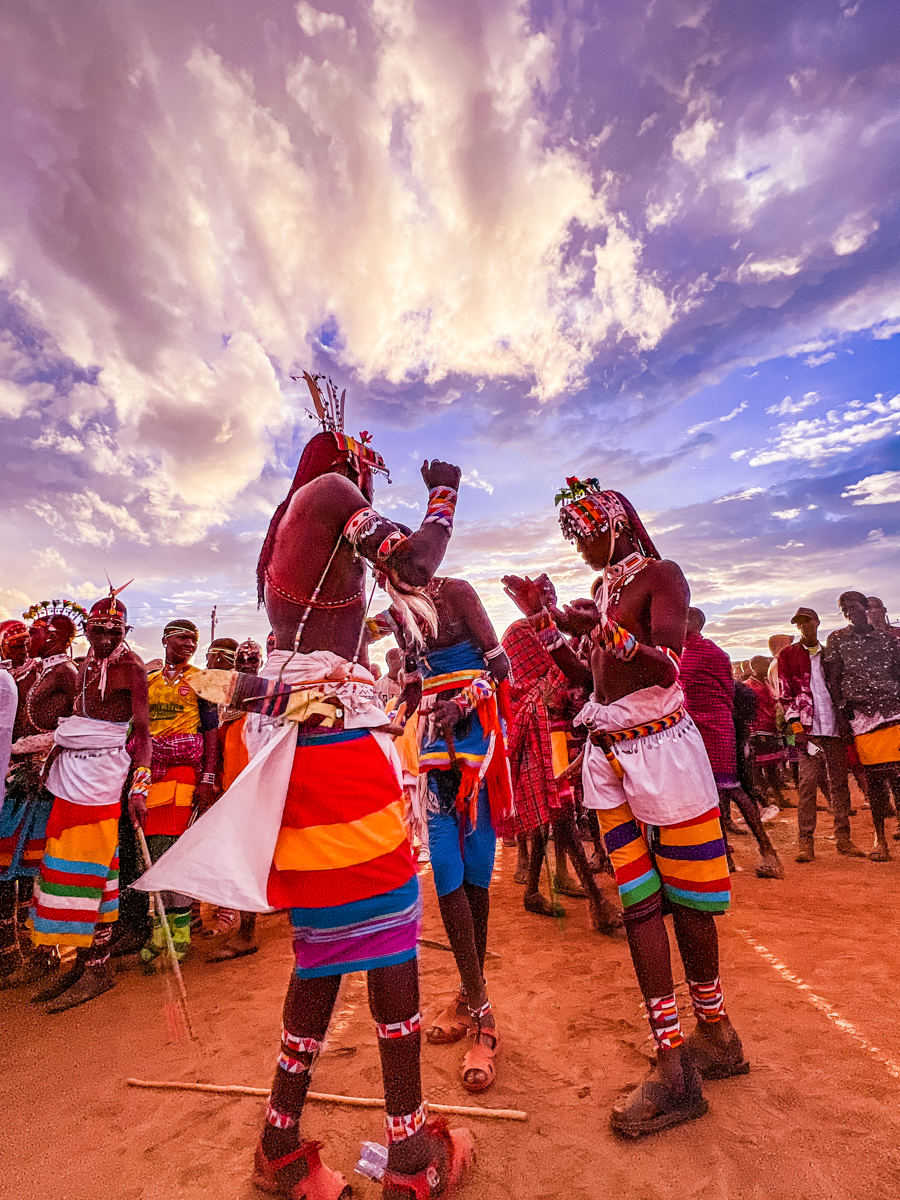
[[786, 514], [473, 479], [313, 22], [838, 432], [747, 494], [818, 360], [788, 405], [13, 399], [719, 420], [875, 489]]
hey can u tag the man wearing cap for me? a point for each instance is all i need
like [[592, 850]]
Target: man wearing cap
[[76, 896], [809, 713], [862, 670], [185, 746]]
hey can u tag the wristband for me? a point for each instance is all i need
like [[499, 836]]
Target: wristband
[[441, 507], [140, 782], [489, 655], [670, 654], [208, 778]]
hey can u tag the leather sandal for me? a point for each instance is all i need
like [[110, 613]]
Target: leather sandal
[[449, 1026], [480, 1057], [713, 1061], [319, 1182], [438, 1178], [672, 1108]]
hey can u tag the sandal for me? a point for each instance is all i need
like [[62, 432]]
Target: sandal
[[671, 1108], [568, 887], [605, 917], [319, 1182], [536, 903], [480, 1058], [770, 867], [713, 1061], [436, 1179], [449, 1026]]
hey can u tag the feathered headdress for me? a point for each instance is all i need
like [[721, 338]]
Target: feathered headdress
[[330, 412], [109, 608]]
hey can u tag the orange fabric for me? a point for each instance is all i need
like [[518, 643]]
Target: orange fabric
[[234, 751]]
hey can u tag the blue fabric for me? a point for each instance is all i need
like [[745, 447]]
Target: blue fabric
[[23, 817], [469, 739], [448, 866]]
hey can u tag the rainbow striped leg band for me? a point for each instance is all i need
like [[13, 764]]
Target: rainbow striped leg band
[[398, 1128], [399, 1029], [664, 1021]]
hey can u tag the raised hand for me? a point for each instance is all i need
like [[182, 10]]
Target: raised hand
[[440, 474], [580, 617], [527, 595]]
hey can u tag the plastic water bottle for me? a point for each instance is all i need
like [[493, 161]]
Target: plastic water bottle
[[373, 1161]]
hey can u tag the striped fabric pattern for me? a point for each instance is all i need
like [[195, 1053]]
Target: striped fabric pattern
[[343, 863], [78, 886], [686, 861], [23, 824]]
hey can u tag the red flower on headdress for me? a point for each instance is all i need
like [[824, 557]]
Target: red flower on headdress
[[571, 480], [365, 437]]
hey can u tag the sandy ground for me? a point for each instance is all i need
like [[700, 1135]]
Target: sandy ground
[[817, 1117]]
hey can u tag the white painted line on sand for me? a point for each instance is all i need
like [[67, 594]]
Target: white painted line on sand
[[892, 1067]]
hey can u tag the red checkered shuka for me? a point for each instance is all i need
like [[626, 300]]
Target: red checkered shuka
[[175, 750], [541, 701]]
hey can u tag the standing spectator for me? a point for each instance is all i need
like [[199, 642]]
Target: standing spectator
[[388, 686], [777, 643], [878, 617], [862, 670], [810, 715], [706, 678], [765, 743]]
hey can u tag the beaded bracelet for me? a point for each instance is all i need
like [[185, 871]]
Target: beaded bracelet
[[140, 782], [441, 507], [208, 779]]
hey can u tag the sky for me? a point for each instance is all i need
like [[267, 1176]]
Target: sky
[[653, 243]]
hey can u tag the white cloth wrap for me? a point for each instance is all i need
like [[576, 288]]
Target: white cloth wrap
[[9, 701], [92, 764], [225, 856], [667, 775]]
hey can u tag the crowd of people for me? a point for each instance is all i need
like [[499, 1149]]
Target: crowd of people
[[295, 778]]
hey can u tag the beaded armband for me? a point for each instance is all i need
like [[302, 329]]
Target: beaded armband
[[361, 525], [670, 654], [392, 542], [441, 507], [208, 779], [140, 782]]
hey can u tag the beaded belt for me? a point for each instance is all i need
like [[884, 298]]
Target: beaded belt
[[607, 739]]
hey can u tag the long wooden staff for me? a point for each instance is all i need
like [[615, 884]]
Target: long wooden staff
[[233, 1089], [170, 944]]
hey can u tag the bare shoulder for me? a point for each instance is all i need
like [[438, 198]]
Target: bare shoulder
[[333, 492], [461, 593], [666, 573], [130, 659]]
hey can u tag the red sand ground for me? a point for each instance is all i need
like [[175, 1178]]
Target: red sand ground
[[816, 1119]]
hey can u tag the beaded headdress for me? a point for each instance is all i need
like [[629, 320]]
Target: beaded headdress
[[46, 610], [587, 511]]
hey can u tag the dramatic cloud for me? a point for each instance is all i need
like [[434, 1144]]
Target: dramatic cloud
[[541, 238], [876, 489]]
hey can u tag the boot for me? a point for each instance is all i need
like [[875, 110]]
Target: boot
[[807, 850], [848, 847]]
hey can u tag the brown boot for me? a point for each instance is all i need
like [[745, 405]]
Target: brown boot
[[807, 850], [848, 847]]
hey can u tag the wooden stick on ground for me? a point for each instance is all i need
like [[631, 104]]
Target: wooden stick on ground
[[234, 1089]]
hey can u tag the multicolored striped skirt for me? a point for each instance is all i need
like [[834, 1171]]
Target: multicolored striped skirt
[[685, 861], [343, 863], [23, 826], [78, 886]]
